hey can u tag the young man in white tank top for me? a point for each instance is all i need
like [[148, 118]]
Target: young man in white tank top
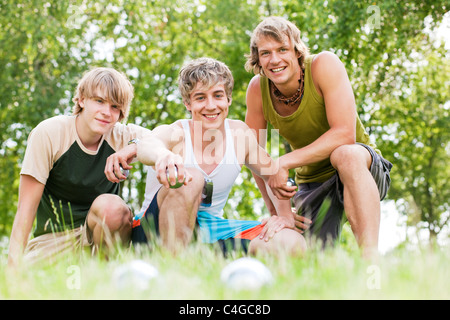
[[207, 146]]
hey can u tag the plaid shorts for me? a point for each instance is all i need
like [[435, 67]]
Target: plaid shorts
[[323, 203]]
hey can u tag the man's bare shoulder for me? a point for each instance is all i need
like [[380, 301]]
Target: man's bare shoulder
[[169, 132], [325, 57], [237, 125], [325, 60], [327, 71], [254, 86], [254, 116]]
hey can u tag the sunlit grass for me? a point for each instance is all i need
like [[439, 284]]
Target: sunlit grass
[[338, 273]]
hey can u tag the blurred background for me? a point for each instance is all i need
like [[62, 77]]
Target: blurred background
[[397, 55]]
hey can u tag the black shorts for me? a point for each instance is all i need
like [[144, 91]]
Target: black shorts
[[323, 203]]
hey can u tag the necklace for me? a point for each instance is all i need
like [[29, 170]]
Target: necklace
[[296, 97]]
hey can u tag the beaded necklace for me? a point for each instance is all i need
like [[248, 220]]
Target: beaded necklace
[[292, 100]]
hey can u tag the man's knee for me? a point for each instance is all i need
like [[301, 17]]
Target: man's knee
[[198, 180], [178, 209], [350, 157], [109, 210], [286, 241], [187, 194]]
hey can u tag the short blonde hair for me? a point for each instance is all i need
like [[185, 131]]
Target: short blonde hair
[[275, 28], [207, 71], [118, 89]]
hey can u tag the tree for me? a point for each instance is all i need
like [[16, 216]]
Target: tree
[[415, 118], [38, 71]]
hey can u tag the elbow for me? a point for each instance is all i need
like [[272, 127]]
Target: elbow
[[142, 153], [350, 137], [346, 136]]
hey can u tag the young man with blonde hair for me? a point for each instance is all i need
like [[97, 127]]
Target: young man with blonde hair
[[206, 154], [309, 99], [63, 184]]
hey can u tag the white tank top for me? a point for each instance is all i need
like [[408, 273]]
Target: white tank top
[[223, 176]]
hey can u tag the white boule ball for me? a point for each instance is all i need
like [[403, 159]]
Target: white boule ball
[[135, 274], [246, 274]]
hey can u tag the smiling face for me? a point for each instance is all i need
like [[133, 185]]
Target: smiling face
[[209, 105], [278, 29], [96, 118], [278, 60], [107, 84]]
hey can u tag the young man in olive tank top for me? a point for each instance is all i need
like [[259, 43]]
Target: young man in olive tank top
[[309, 99]]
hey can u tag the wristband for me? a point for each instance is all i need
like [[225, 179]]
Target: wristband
[[135, 141]]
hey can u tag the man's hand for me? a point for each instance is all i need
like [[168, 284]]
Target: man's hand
[[274, 224], [167, 162], [301, 222], [121, 158], [278, 183]]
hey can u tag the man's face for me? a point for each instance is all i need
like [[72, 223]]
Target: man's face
[[279, 60], [210, 106], [98, 115]]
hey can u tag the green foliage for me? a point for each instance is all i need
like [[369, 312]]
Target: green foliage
[[38, 73], [45, 47], [415, 120]]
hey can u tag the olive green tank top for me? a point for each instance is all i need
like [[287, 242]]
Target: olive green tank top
[[305, 125]]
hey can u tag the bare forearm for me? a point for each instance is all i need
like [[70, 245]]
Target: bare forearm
[[318, 150], [19, 238], [275, 206], [264, 193], [30, 192], [162, 141], [282, 207], [149, 150]]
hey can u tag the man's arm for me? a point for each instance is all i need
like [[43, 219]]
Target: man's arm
[[127, 153], [257, 159], [331, 80], [121, 158], [30, 193], [262, 167], [160, 149], [280, 210], [254, 118]]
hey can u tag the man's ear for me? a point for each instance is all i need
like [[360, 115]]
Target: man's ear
[[81, 102], [187, 105]]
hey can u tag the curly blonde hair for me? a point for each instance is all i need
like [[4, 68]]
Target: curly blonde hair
[[115, 85], [275, 28]]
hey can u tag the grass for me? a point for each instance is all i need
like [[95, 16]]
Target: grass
[[337, 273]]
